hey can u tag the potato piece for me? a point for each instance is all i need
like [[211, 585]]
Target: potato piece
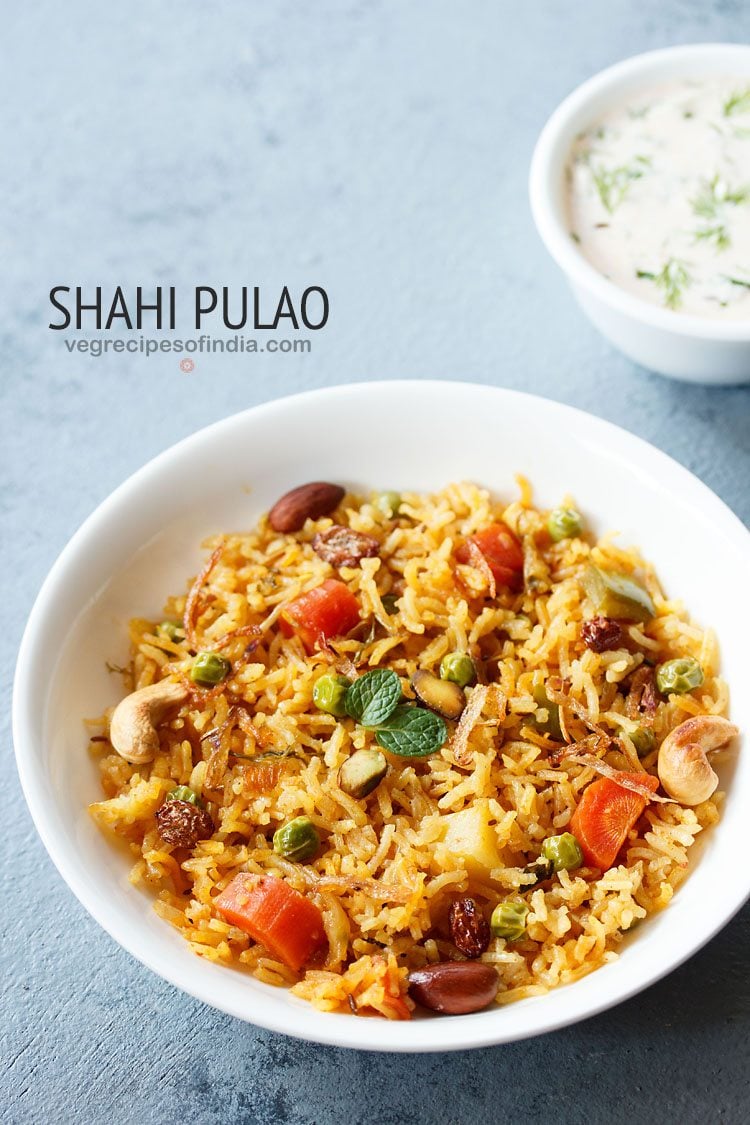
[[470, 836]]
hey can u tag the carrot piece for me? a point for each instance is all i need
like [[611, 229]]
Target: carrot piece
[[502, 550], [605, 814], [274, 914], [329, 610]]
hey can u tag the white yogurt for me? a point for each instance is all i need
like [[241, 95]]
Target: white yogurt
[[659, 197]]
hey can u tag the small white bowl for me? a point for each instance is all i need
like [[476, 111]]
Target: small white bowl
[[686, 347], [144, 540]]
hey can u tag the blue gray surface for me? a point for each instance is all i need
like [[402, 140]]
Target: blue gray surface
[[380, 150]]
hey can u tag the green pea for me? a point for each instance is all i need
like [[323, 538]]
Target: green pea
[[564, 523], [563, 851], [171, 629], [390, 603], [387, 502], [459, 668], [183, 793], [209, 668], [298, 840], [509, 920], [329, 694], [679, 676], [643, 739]]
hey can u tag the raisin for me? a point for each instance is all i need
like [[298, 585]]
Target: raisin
[[340, 546], [470, 931], [183, 824], [601, 633]]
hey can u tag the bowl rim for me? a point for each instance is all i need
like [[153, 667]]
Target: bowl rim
[[544, 188], [437, 1034]]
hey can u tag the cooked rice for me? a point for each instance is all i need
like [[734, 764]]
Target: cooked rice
[[385, 878]]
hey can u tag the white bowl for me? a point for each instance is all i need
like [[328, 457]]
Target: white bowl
[[143, 542], [673, 343]]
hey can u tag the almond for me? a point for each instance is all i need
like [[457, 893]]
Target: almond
[[309, 501], [454, 987]]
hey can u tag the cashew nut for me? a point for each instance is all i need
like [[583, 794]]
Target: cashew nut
[[684, 769], [132, 728]]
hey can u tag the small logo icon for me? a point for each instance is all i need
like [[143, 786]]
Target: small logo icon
[[186, 365]]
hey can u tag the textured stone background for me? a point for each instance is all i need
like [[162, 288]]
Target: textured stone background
[[381, 150]]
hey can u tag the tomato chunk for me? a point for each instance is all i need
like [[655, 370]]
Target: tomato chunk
[[605, 814], [330, 610], [502, 550], [274, 914]]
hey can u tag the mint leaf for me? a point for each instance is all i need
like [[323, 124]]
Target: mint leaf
[[373, 697], [411, 732]]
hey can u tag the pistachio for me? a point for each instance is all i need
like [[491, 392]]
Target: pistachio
[[362, 772], [617, 595], [454, 987], [442, 696]]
